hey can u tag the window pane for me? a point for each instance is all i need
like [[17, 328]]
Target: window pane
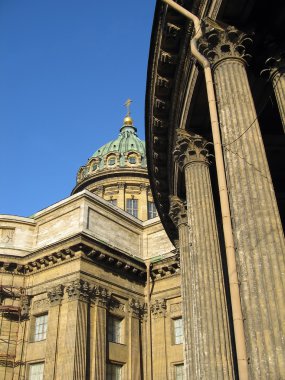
[[151, 210], [112, 161], [178, 331], [114, 371], [36, 371], [40, 327], [132, 207], [114, 329], [132, 160], [113, 201], [179, 372]]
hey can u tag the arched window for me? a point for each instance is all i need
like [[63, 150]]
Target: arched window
[[111, 161]]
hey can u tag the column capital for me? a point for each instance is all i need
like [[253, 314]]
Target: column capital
[[100, 296], [177, 211], [274, 65], [190, 148], [136, 309], [158, 308], [55, 295], [78, 290], [221, 42]]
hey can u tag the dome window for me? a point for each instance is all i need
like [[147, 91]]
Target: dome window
[[111, 161], [94, 167], [132, 160]]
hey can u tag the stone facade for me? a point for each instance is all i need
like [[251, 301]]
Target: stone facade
[[71, 269]]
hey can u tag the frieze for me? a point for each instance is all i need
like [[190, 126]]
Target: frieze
[[7, 235], [41, 304]]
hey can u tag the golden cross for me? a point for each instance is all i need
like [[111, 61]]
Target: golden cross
[[127, 104]]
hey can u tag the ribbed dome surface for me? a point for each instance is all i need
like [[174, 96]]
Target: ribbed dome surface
[[127, 151], [127, 141]]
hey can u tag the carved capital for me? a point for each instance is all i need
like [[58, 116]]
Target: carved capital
[[190, 148], [158, 308], [274, 66], [25, 306], [78, 289], [55, 295], [177, 211], [221, 42], [136, 308], [100, 296]]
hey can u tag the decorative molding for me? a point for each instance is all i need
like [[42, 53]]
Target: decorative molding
[[55, 294], [177, 211], [190, 148], [41, 304], [219, 43], [176, 308], [158, 308]]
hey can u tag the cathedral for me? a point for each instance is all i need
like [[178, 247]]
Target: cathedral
[[167, 261], [90, 286]]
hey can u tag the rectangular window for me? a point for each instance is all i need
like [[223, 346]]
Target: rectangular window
[[40, 331], [114, 371], [178, 330], [151, 210], [36, 371], [179, 372], [132, 207], [115, 329]]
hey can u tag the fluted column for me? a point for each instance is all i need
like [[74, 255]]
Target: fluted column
[[98, 325], [55, 295], [178, 215], [73, 361], [276, 70], [256, 221], [204, 304]]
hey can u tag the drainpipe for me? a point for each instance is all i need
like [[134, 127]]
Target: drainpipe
[[149, 351], [225, 208]]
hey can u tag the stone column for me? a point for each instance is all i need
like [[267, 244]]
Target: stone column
[[74, 365], [276, 69], [98, 326], [258, 232], [204, 304], [135, 359], [55, 295], [158, 314]]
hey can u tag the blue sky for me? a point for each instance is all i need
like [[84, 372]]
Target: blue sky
[[66, 69]]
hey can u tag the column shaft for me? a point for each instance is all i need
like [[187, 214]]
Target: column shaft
[[209, 312], [278, 82], [256, 221]]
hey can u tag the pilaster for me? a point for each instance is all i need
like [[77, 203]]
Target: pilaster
[[98, 321], [204, 304], [256, 221], [74, 355], [136, 310], [55, 295], [158, 314]]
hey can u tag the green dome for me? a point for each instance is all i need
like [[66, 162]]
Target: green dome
[[127, 151]]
